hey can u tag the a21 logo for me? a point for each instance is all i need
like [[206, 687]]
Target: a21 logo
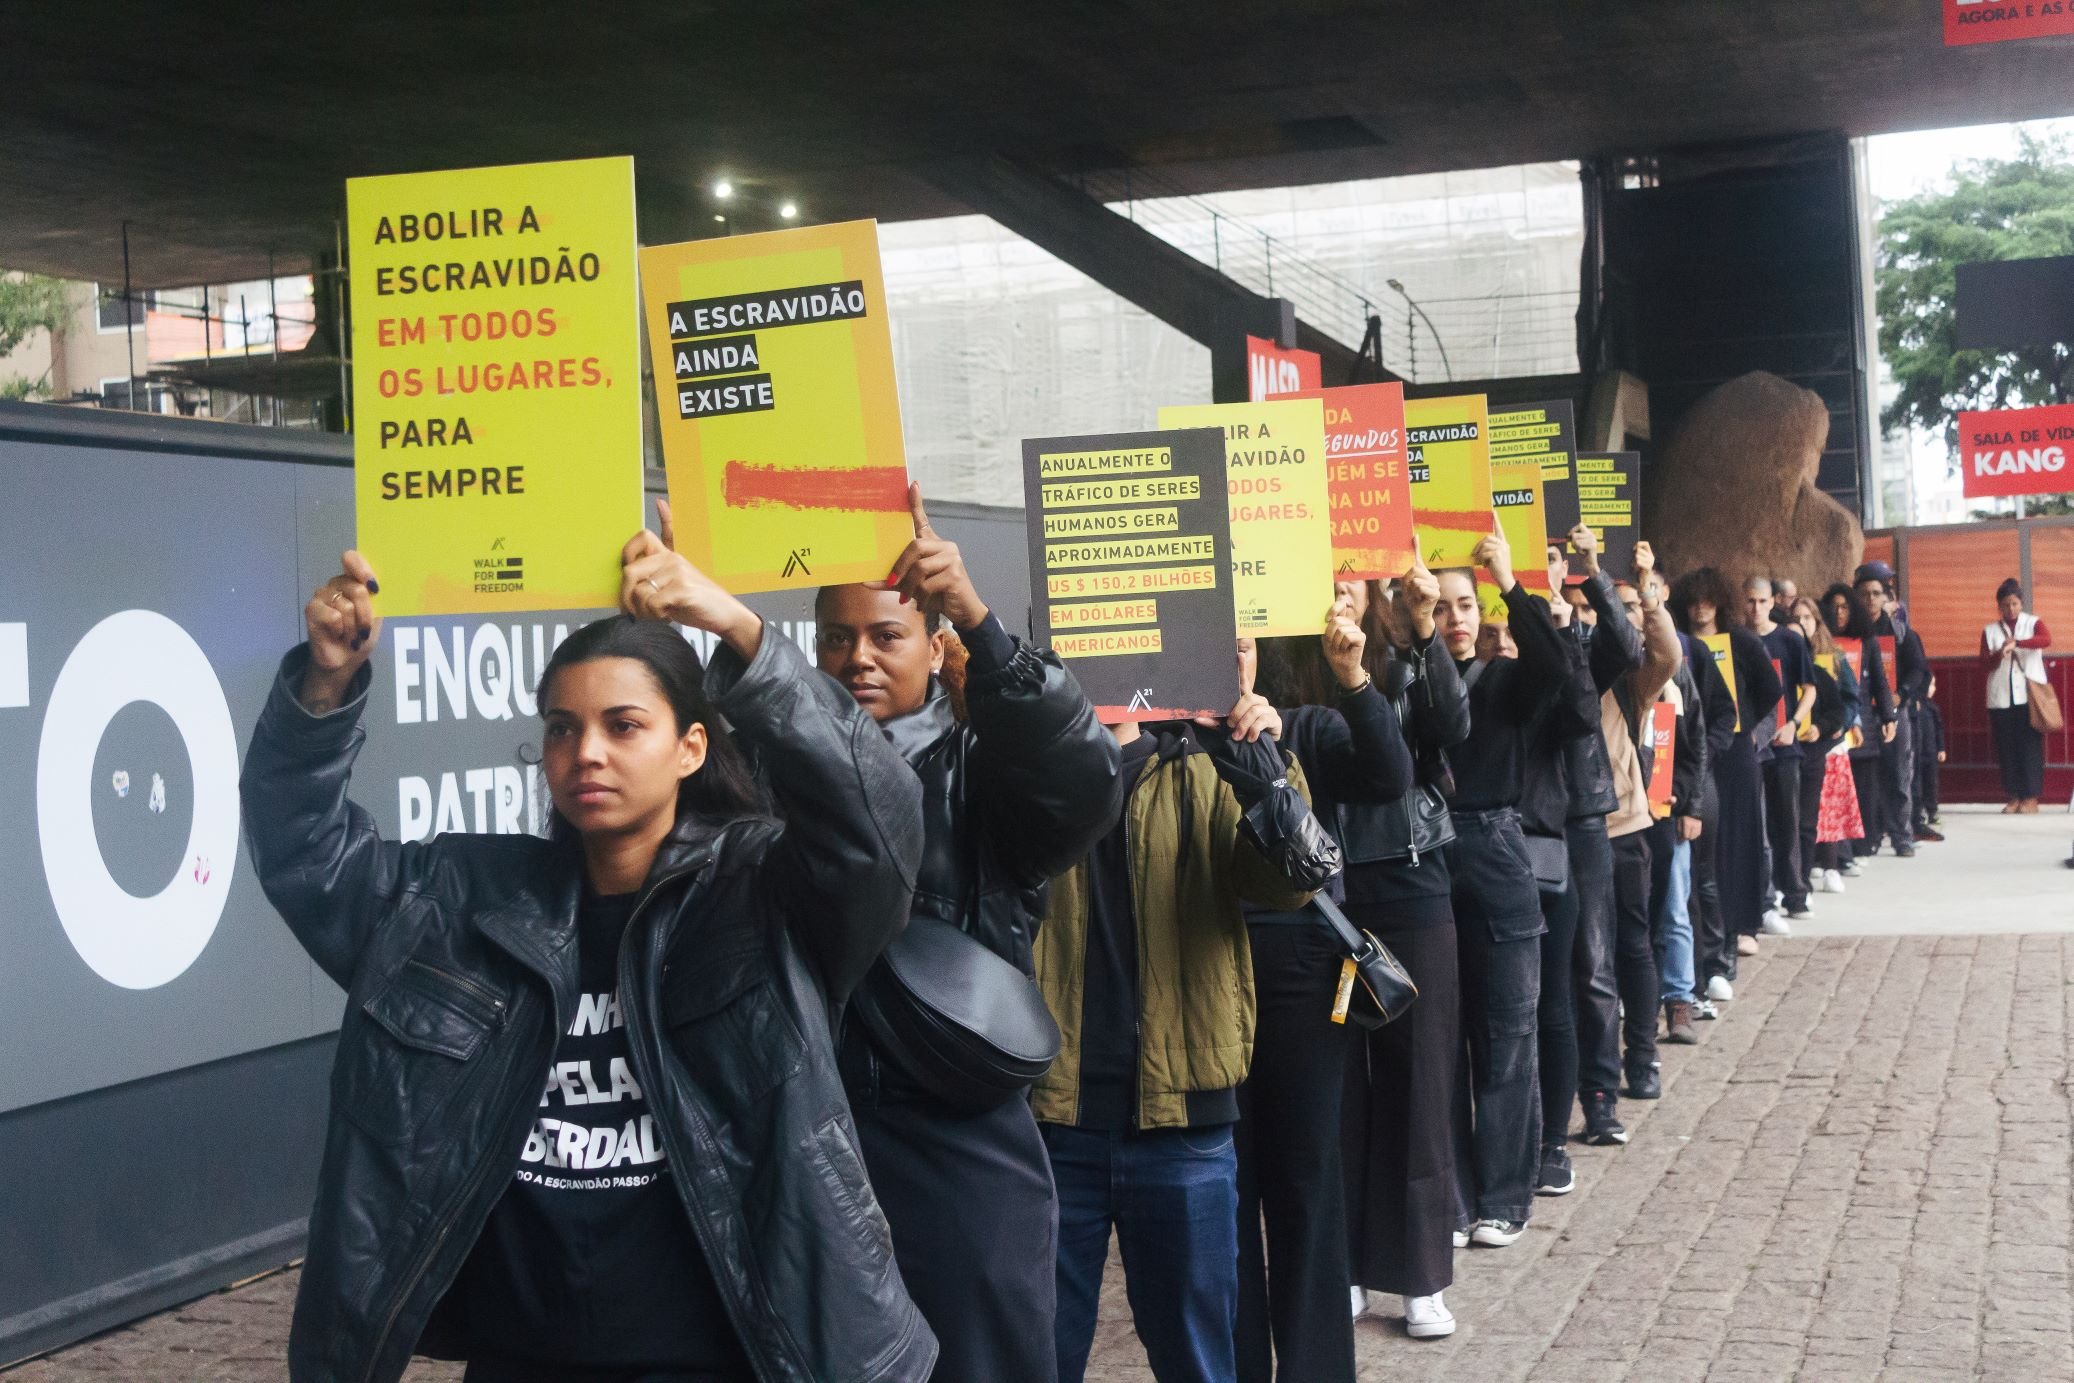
[[1141, 699]]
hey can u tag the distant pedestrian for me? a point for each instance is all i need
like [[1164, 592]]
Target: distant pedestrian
[[2013, 648]]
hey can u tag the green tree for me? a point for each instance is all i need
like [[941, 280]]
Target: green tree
[[28, 302], [2020, 208]]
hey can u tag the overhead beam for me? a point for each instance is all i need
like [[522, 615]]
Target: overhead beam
[[1130, 261]]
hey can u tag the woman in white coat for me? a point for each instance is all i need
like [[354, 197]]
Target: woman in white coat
[[2013, 648]]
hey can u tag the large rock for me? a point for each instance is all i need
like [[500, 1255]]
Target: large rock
[[1735, 489]]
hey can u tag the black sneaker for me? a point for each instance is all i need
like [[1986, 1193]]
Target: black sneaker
[[1601, 1129], [1556, 1178], [1904, 851], [1644, 1083]]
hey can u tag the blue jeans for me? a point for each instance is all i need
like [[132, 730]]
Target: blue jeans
[[1674, 918], [1172, 1196]]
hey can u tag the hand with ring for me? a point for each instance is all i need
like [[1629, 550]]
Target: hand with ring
[[656, 583]]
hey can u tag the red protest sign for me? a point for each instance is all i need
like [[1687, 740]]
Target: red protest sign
[[2017, 451], [1272, 372], [1372, 536], [1663, 744], [1991, 21]]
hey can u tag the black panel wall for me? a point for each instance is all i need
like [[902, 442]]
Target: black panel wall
[[1726, 259]]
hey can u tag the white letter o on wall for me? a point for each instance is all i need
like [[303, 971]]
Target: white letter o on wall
[[137, 943]]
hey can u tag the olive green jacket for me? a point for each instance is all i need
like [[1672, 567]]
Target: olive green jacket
[[1195, 967]]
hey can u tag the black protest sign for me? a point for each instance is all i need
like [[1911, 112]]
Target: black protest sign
[[1545, 432], [1130, 568], [1609, 498]]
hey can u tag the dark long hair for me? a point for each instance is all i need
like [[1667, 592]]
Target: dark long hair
[[1856, 625], [1708, 584], [724, 787], [1293, 671]]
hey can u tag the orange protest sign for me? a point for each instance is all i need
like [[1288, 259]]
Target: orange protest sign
[[1372, 536]]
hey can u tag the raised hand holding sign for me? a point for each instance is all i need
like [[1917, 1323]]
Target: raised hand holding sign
[[930, 571]]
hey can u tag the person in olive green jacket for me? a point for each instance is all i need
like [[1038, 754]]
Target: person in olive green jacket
[[1143, 958]]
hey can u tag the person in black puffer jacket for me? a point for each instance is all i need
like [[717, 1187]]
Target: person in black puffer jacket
[[1012, 795]]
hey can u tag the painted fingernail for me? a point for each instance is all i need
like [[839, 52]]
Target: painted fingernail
[[374, 587], [903, 597]]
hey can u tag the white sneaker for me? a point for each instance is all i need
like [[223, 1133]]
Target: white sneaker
[[1832, 881], [1852, 869], [1357, 1301], [1720, 990], [1427, 1318], [1497, 1234], [1774, 923], [1461, 1238]]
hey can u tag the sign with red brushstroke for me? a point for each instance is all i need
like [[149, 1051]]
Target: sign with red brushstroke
[[1272, 373], [1663, 748], [1991, 21], [1372, 537], [2017, 451], [1130, 568], [1448, 459], [1516, 500], [780, 423]]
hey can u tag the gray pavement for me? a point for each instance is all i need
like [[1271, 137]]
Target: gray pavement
[[1866, 1171]]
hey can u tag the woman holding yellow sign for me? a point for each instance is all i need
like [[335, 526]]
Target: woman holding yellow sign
[[687, 1198]]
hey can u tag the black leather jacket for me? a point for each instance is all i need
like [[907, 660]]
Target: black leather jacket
[[459, 964], [1013, 795]]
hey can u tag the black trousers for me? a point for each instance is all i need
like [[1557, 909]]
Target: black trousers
[[1865, 781], [1709, 931], [1593, 963], [1398, 1155], [2019, 751], [1498, 926], [1560, 947], [1898, 784], [1634, 948], [975, 1223], [1293, 1322], [1926, 789], [1782, 826], [1739, 844]]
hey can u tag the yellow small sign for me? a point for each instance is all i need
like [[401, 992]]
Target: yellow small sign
[[780, 422], [1448, 455], [1281, 512], [496, 385], [1517, 499]]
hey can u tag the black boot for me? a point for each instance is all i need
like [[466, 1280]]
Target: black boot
[[1601, 1129]]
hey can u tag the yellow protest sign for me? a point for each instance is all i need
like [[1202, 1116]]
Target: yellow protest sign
[[780, 422], [1448, 452], [1725, 659], [496, 384], [1516, 497], [1281, 513]]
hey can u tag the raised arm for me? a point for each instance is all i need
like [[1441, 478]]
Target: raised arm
[[1435, 697], [1354, 752], [1616, 645], [1046, 773], [319, 858], [1662, 652], [844, 869]]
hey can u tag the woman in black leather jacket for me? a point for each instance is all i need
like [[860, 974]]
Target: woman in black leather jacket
[[1014, 791], [1398, 1155], [686, 1198]]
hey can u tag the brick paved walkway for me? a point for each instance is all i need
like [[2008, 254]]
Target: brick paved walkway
[[1863, 1172]]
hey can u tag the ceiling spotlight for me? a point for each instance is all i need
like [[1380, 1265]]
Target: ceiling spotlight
[[723, 189], [720, 218], [788, 211]]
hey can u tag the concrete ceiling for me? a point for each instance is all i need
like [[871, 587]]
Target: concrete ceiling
[[224, 133]]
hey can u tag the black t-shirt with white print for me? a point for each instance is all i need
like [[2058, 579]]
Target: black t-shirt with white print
[[588, 1265]]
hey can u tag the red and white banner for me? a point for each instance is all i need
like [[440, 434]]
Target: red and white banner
[[2017, 451], [1989, 21], [1272, 372]]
